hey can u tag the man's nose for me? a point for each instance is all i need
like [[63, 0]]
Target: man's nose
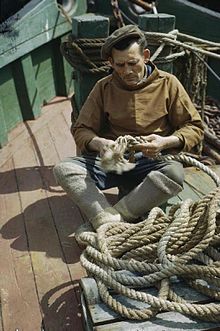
[[127, 69]]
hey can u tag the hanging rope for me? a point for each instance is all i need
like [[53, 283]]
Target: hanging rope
[[184, 243]]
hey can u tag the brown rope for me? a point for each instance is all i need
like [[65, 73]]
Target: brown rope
[[107, 253], [84, 55], [183, 243]]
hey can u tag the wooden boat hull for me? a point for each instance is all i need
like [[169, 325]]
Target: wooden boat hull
[[32, 69]]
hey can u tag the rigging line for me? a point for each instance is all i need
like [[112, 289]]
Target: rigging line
[[127, 18], [208, 66]]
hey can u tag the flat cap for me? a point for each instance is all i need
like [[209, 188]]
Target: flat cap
[[118, 35]]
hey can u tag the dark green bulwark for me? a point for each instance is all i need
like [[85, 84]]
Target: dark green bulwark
[[32, 69]]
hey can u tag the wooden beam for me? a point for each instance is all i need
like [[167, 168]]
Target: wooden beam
[[26, 87], [158, 23], [87, 26], [3, 129]]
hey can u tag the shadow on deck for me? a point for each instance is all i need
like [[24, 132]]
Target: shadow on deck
[[40, 268]]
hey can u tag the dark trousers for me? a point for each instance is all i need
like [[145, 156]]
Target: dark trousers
[[130, 179]]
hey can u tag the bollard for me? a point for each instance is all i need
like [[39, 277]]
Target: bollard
[[163, 23], [88, 26]]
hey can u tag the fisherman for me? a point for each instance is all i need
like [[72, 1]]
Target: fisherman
[[136, 99]]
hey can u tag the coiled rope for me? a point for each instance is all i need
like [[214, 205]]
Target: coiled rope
[[84, 55], [130, 258]]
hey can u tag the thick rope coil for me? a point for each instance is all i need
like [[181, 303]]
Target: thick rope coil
[[130, 258], [84, 55]]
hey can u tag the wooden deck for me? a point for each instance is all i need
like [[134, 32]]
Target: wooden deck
[[39, 258]]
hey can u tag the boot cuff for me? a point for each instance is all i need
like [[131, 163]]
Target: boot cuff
[[164, 183]]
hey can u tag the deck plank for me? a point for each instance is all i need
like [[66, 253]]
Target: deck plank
[[47, 258], [199, 181], [17, 282], [66, 216], [51, 250]]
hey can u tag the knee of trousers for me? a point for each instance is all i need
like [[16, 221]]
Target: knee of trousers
[[174, 170], [65, 169]]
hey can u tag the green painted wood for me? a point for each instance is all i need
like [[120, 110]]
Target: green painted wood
[[68, 72], [27, 91], [58, 69], [62, 70], [35, 78], [3, 129], [34, 25], [158, 23], [9, 99], [32, 80], [87, 26], [200, 182], [200, 22], [186, 12], [90, 26], [42, 59]]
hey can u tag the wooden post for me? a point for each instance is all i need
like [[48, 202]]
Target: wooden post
[[11, 111], [3, 129], [163, 23], [27, 90], [87, 26]]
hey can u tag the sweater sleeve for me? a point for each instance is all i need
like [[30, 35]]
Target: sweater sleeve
[[89, 122], [184, 118]]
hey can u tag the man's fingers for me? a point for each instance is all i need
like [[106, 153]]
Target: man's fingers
[[138, 147]]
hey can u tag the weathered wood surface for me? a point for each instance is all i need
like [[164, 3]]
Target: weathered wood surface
[[39, 257], [35, 24]]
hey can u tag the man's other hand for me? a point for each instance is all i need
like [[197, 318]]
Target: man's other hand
[[155, 144], [100, 145]]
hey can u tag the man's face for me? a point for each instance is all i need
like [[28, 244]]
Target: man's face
[[130, 63]]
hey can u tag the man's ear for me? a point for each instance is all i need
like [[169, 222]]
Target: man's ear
[[110, 59], [146, 55]]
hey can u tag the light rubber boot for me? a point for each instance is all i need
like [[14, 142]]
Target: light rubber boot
[[78, 184], [155, 189]]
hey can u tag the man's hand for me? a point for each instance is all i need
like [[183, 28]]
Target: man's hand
[[100, 145], [155, 144]]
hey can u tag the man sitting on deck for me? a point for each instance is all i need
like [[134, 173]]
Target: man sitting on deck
[[136, 99]]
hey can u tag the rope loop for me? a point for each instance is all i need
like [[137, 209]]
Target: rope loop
[[132, 258]]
